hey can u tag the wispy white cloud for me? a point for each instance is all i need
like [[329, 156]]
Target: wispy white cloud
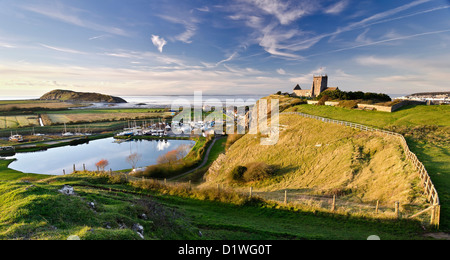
[[281, 71], [337, 8], [139, 57], [72, 16], [305, 43], [272, 21], [99, 37], [6, 45], [203, 9], [158, 42], [388, 13], [232, 56], [384, 41], [61, 49], [285, 11], [190, 26], [363, 39]]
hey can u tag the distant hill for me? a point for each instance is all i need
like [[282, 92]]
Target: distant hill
[[67, 95]]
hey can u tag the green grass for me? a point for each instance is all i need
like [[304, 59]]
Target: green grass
[[407, 116], [37, 211], [222, 221], [7, 174]]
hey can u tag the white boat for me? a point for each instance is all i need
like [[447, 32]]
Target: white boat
[[65, 133], [16, 138]]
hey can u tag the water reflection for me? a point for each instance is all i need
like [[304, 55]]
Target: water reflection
[[53, 161], [162, 146]]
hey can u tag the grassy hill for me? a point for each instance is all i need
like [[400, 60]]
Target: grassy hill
[[427, 130], [324, 159], [67, 95]]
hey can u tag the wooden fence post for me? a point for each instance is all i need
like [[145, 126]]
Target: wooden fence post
[[84, 167], [333, 207], [437, 216], [74, 169], [378, 207], [397, 209], [285, 197], [64, 172], [433, 215], [251, 192]]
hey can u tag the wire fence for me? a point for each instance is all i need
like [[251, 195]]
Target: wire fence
[[428, 186]]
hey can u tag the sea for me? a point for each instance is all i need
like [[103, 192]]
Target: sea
[[169, 100], [164, 101]]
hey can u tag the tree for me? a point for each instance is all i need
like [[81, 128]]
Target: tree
[[175, 156], [169, 158], [322, 100], [102, 164], [183, 151], [133, 159]]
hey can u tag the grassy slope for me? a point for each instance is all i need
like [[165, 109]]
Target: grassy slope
[[434, 154], [371, 166], [37, 211]]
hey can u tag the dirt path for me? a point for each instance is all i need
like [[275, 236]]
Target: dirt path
[[205, 160]]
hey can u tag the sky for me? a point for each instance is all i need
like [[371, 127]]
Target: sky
[[222, 47]]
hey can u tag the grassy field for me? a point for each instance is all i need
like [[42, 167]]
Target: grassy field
[[34, 209], [407, 116], [34, 105], [11, 122], [427, 130]]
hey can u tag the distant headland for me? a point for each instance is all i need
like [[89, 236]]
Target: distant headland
[[72, 96]]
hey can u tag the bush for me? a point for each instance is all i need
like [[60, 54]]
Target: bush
[[343, 95], [238, 173], [350, 104], [323, 99], [252, 172], [258, 171]]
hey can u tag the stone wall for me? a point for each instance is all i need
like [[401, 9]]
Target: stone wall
[[374, 107]]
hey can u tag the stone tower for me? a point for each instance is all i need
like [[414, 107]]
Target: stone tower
[[320, 85]]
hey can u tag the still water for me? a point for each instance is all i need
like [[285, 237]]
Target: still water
[[55, 160]]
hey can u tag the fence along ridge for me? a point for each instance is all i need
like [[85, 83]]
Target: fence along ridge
[[427, 183]]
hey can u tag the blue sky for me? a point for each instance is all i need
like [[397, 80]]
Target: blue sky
[[143, 47]]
